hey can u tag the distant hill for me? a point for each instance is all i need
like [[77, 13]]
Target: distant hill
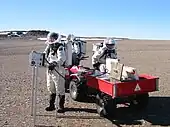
[[31, 34], [34, 34]]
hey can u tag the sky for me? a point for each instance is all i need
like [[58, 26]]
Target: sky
[[144, 19]]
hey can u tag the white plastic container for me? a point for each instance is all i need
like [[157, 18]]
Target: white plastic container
[[128, 73], [109, 61]]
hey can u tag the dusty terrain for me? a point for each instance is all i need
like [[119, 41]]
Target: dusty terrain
[[152, 57]]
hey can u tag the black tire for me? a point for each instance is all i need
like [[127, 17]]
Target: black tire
[[105, 105], [140, 101], [77, 93]]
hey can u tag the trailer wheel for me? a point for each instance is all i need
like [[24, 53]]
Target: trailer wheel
[[105, 105], [140, 101], [77, 93]]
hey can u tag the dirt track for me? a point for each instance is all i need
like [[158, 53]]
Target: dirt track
[[150, 57]]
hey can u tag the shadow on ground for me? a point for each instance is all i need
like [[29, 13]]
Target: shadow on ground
[[80, 110], [45, 126], [157, 113], [87, 110]]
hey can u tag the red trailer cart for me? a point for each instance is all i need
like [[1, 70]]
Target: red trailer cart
[[109, 94]]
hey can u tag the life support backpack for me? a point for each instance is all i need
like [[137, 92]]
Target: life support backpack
[[96, 47], [68, 51], [82, 46]]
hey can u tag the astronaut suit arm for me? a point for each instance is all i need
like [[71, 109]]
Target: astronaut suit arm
[[47, 50], [61, 56], [97, 55], [116, 55]]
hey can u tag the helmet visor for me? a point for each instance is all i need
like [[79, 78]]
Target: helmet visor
[[110, 46]]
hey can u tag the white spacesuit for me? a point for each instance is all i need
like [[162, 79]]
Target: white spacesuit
[[68, 50], [107, 51], [55, 83], [75, 49]]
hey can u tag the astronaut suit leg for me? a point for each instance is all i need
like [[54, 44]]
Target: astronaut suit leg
[[99, 57], [56, 83]]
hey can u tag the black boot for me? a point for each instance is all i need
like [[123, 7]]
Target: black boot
[[61, 104], [52, 101]]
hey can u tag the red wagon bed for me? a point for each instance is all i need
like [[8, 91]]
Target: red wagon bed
[[145, 84]]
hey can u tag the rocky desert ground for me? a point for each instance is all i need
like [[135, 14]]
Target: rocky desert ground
[[148, 56]]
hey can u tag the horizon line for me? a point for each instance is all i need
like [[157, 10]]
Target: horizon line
[[102, 37]]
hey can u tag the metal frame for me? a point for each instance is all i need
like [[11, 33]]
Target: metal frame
[[36, 60], [34, 93]]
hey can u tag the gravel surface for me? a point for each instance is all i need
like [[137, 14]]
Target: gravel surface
[[152, 57]]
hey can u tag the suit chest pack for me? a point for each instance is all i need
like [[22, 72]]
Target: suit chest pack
[[108, 53], [67, 49], [54, 47]]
